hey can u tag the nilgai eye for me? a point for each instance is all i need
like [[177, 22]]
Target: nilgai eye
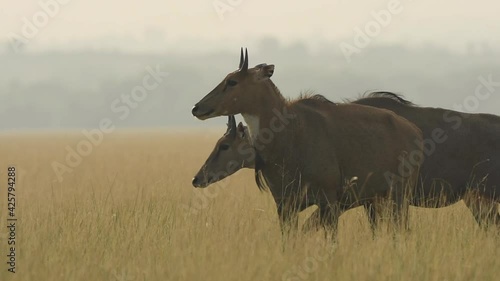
[[231, 82], [224, 146]]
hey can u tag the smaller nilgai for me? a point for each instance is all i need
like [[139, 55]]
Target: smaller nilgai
[[307, 149], [232, 152]]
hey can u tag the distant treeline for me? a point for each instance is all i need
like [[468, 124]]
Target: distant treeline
[[78, 89]]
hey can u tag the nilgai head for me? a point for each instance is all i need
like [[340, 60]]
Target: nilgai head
[[238, 93], [232, 152]]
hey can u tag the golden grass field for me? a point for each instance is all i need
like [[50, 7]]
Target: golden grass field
[[123, 214]]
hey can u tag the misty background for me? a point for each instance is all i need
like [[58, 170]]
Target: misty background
[[84, 60]]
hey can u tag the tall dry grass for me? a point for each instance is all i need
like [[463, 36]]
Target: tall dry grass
[[129, 212]]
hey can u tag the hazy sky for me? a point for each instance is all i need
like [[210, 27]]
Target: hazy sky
[[152, 25], [56, 89]]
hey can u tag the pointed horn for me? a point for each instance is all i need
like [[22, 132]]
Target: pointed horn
[[245, 63], [241, 58], [231, 125]]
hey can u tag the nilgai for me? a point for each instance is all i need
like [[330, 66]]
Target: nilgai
[[232, 152], [308, 149], [462, 156]]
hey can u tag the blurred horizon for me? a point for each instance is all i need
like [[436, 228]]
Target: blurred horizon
[[71, 64]]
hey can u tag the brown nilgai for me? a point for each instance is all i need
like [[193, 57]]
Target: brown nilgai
[[312, 151]]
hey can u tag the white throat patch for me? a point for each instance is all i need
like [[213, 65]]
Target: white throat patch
[[253, 126]]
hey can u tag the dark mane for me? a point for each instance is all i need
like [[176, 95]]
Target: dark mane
[[261, 181], [393, 96], [310, 96]]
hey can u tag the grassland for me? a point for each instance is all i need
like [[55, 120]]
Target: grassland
[[128, 212]]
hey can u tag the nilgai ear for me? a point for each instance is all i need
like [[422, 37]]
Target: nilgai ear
[[241, 130], [266, 71]]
